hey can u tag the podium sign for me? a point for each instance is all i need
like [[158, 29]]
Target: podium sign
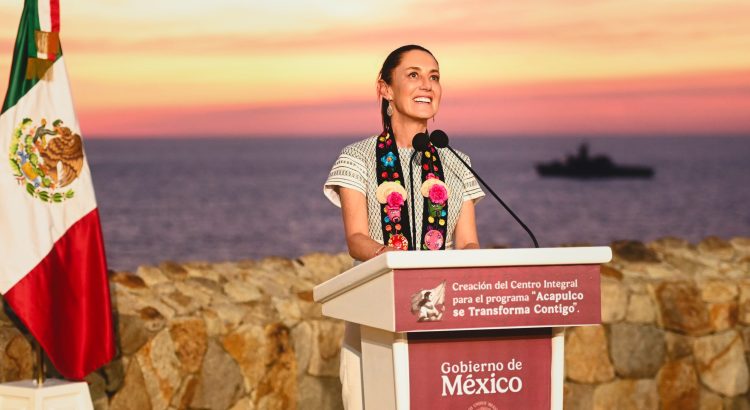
[[496, 297], [480, 370], [474, 329]]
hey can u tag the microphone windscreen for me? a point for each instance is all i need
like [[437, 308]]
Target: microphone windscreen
[[420, 141], [439, 138]]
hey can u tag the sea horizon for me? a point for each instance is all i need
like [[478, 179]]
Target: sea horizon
[[217, 199]]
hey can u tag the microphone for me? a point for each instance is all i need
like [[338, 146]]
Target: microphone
[[420, 142], [440, 140]]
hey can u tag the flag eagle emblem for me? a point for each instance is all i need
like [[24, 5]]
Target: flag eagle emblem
[[45, 160]]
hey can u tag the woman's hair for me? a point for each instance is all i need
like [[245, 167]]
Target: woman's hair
[[386, 74]]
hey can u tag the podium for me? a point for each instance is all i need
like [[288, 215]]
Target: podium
[[467, 329], [54, 394]]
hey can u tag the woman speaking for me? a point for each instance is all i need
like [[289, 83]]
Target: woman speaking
[[370, 181]]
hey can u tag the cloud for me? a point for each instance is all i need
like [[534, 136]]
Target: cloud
[[704, 103]]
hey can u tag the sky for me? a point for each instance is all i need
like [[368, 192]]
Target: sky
[[308, 68]]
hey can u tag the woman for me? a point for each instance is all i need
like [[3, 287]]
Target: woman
[[370, 182]]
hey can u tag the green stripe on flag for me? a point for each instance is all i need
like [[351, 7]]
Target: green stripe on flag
[[25, 47]]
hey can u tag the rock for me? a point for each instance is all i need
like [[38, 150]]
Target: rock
[[267, 362], [96, 387], [741, 244], [678, 346], [114, 375], [181, 399], [720, 360], [626, 395], [736, 403], [664, 271], [640, 309], [723, 316], [688, 264], [243, 404], [202, 270], [745, 332], [681, 309], [670, 244], [289, 310], [678, 386], [715, 291], [189, 338], [710, 401], [16, 356], [744, 306], [222, 318], [241, 291], [173, 270], [586, 356], [319, 267], [614, 300], [326, 347], [160, 368], [578, 396], [181, 303], [151, 275], [195, 290], [633, 251], [610, 272], [716, 247], [220, 383], [133, 394], [131, 333], [637, 351], [319, 393], [127, 280], [152, 319]]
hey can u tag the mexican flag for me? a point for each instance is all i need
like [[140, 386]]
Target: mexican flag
[[53, 272]]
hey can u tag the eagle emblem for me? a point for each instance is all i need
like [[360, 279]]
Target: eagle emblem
[[428, 304], [46, 160]]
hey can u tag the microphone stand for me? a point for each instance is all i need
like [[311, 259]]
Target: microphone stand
[[526, 228]]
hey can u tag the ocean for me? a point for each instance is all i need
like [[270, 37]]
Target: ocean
[[230, 199]]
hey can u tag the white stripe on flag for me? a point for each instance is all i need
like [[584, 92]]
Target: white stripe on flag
[[45, 16], [29, 227]]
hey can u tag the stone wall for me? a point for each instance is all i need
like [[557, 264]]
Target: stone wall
[[246, 335], [675, 331]]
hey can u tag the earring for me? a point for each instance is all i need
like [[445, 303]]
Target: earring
[[389, 111]]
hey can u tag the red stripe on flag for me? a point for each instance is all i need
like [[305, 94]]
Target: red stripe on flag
[[64, 301], [54, 11]]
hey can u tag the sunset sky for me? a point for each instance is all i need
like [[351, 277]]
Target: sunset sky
[[290, 68]]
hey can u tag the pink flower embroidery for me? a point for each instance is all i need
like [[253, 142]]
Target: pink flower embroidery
[[395, 200], [438, 194], [431, 176]]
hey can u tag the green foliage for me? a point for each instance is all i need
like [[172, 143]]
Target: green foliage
[[57, 197], [30, 189], [44, 196], [69, 194], [15, 167]]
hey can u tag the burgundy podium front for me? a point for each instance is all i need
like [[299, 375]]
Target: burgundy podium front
[[474, 329]]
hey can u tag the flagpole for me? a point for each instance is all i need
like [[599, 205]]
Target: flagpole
[[39, 370]]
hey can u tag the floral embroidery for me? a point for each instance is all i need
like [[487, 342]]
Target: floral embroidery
[[392, 194], [388, 159]]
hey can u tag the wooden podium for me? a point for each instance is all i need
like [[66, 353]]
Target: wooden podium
[[469, 329]]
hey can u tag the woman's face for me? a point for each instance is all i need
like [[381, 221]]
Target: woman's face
[[415, 87]]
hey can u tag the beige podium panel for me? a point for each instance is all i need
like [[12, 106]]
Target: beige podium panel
[[53, 395]]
